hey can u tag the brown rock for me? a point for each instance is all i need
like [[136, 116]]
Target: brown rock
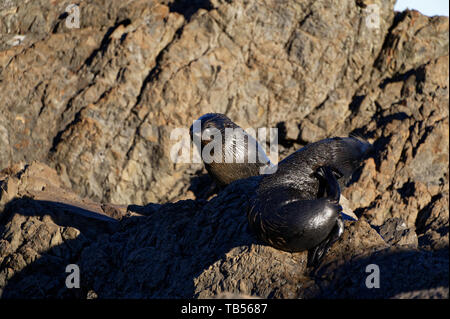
[[97, 105], [138, 68]]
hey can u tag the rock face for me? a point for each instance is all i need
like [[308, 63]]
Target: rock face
[[98, 103], [186, 249], [86, 115]]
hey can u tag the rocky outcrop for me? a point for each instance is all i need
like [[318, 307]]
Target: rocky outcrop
[[95, 107], [185, 249], [102, 113]]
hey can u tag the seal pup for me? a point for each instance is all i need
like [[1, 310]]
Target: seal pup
[[239, 155], [297, 208]]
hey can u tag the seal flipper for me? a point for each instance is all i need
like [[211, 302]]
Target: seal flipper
[[329, 178], [317, 253]]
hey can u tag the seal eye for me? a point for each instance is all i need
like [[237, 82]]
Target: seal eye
[[207, 132]]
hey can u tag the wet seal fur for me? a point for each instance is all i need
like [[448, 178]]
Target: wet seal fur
[[297, 207]]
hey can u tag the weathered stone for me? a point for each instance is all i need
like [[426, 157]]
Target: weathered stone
[[395, 232], [97, 105], [100, 114]]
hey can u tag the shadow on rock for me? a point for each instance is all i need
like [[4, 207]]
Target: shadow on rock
[[193, 249], [403, 273], [189, 7], [154, 256], [39, 239], [203, 186]]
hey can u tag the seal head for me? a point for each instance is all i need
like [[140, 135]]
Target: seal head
[[228, 152]]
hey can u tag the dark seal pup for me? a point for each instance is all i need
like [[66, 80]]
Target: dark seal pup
[[297, 208]]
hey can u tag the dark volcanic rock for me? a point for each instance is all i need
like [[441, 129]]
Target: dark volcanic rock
[[185, 249], [403, 274]]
